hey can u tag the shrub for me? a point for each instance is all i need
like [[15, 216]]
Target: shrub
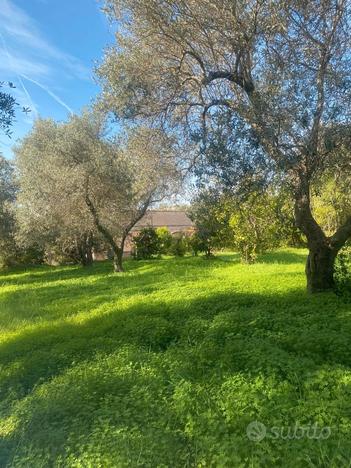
[[165, 239], [13, 255], [178, 247], [342, 272], [146, 244], [255, 225], [194, 244], [210, 214], [198, 244]]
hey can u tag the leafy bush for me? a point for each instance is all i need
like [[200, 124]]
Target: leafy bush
[[13, 255], [255, 225], [146, 244], [342, 272], [195, 244], [249, 223], [30, 256], [210, 214], [165, 239], [178, 247]]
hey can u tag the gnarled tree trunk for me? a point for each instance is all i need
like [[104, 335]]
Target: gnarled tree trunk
[[117, 251], [321, 257], [84, 249], [89, 254], [117, 248], [323, 250], [118, 257], [320, 268]]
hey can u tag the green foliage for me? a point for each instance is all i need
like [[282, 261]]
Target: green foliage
[[7, 112], [211, 217], [168, 364], [7, 218], [11, 253], [165, 239], [250, 224], [75, 182], [331, 200], [150, 242], [146, 244], [69, 251], [287, 234], [8, 247], [196, 244], [179, 245], [342, 273], [8, 107], [16, 256], [255, 225]]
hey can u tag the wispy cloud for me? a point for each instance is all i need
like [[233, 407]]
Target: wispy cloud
[[28, 58], [19, 78], [26, 53], [23, 35]]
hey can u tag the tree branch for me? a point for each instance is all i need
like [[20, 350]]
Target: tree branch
[[325, 56], [342, 235], [234, 77], [108, 236], [140, 213], [303, 214]]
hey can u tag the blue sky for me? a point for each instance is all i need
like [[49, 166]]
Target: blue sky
[[48, 49]]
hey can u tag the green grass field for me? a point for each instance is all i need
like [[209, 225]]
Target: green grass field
[[167, 364]]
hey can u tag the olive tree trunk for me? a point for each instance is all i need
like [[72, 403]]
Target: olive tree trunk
[[323, 250], [117, 248], [320, 268], [84, 249], [118, 258]]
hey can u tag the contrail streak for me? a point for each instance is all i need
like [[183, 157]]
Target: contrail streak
[[50, 93]]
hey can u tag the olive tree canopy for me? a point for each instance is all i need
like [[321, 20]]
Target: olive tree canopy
[[76, 180], [282, 67], [7, 197]]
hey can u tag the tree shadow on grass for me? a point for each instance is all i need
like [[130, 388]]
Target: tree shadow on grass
[[284, 257], [55, 294], [180, 376], [159, 378], [148, 373], [47, 274], [291, 321]]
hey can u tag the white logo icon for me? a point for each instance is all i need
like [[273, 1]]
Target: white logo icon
[[256, 431]]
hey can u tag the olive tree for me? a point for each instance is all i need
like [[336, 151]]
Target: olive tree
[[283, 68], [7, 221], [77, 180], [50, 211], [121, 177]]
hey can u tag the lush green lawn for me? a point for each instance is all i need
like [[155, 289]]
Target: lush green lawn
[[167, 364]]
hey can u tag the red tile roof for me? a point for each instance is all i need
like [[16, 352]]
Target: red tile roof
[[174, 220]]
